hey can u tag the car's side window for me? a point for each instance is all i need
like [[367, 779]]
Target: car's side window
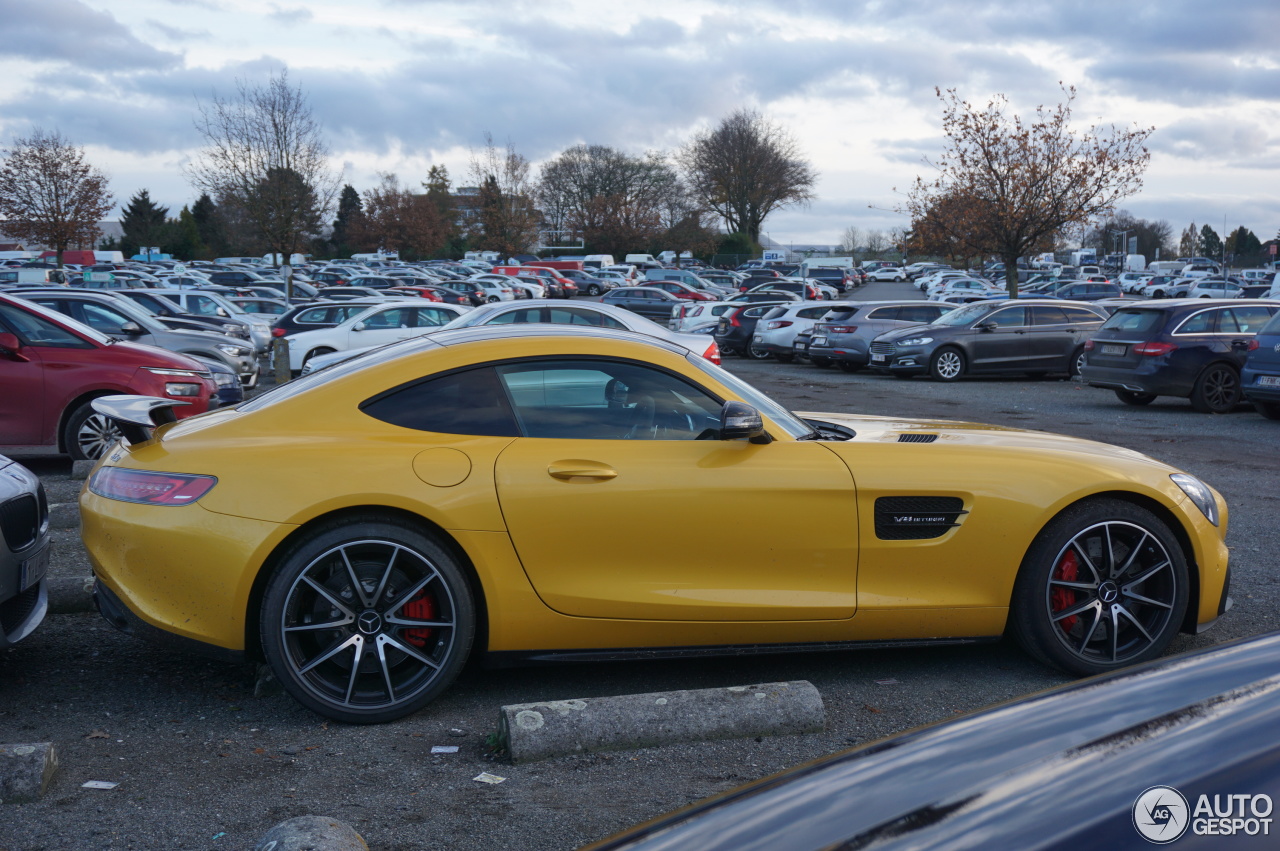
[[1243, 320], [606, 400], [1010, 317], [1202, 323], [1045, 314], [432, 317], [1079, 314], [36, 331], [513, 317], [397, 317], [469, 402], [102, 319]]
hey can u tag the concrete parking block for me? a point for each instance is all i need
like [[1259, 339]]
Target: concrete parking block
[[533, 731], [25, 771], [311, 833]]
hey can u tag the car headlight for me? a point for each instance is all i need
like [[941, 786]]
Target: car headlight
[[262, 329], [235, 330], [1199, 493], [234, 351], [916, 341]]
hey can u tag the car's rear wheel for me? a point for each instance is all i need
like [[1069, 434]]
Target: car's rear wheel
[[88, 434], [1129, 397], [367, 620], [947, 364], [1270, 410], [755, 352], [1103, 585], [493, 299], [1217, 390], [1077, 362], [593, 289]]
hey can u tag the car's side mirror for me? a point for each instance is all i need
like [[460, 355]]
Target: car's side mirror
[[11, 347], [359, 326], [986, 326], [739, 420], [133, 329]]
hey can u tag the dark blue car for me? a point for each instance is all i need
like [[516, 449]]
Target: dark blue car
[[1260, 377]]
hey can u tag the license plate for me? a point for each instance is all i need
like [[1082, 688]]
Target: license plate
[[757, 339], [1113, 350], [1269, 380], [798, 346], [877, 358], [818, 341], [33, 569]]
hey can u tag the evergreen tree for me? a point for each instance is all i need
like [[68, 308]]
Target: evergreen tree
[[350, 211], [440, 196], [209, 225], [1210, 243], [183, 240], [143, 223]]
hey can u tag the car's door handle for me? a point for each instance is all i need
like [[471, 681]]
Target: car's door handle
[[571, 470]]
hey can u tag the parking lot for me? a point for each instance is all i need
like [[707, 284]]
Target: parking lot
[[203, 762]]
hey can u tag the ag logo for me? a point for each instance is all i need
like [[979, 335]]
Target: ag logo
[[1161, 814]]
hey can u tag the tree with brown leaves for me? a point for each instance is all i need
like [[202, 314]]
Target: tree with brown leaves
[[395, 219], [1006, 186], [49, 194], [745, 169], [508, 218]]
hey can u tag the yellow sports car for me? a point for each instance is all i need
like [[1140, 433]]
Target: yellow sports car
[[550, 492]]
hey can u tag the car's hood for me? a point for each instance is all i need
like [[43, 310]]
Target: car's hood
[[869, 429], [895, 334]]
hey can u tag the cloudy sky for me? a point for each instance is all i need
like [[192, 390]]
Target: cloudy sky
[[401, 84]]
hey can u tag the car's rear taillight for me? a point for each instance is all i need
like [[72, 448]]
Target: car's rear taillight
[[733, 320], [839, 329], [1153, 349], [1253, 345], [712, 353], [777, 323], [150, 488], [1088, 345], [278, 332]]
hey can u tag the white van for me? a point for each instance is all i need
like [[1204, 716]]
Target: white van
[[639, 258], [598, 261]]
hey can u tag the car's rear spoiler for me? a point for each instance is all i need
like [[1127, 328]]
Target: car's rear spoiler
[[137, 416]]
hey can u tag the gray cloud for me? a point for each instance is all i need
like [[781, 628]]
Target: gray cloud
[[294, 15], [63, 30], [177, 33]]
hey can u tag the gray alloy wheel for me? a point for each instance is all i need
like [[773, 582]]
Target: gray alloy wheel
[[947, 364], [593, 289], [754, 352], [1103, 586], [366, 621], [89, 434], [1078, 361]]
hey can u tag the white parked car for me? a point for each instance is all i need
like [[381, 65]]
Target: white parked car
[[380, 324], [887, 273], [1133, 282], [496, 287], [926, 281], [969, 288], [556, 312], [776, 331], [695, 316]]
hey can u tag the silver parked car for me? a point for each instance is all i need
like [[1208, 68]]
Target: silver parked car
[[24, 552], [844, 335]]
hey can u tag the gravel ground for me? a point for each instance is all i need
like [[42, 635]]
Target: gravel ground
[[203, 763]]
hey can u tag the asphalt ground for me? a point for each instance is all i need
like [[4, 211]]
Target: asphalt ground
[[202, 763]]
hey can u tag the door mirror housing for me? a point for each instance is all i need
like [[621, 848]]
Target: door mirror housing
[[11, 347], [359, 326], [739, 420], [986, 326], [133, 329]]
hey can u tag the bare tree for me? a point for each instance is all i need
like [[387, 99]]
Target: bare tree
[[49, 194], [877, 242], [1007, 187], [746, 168], [850, 240], [265, 158], [508, 217]]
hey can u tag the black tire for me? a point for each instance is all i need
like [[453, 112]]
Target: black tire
[[1129, 397], [1217, 389], [322, 350], [493, 299], [593, 289], [316, 620], [849, 366], [754, 352], [947, 364], [1104, 585], [88, 434], [1077, 362], [1270, 410]]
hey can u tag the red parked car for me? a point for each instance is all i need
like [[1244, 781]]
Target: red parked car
[[52, 367]]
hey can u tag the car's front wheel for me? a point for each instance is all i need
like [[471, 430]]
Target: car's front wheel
[[1217, 390], [88, 434], [366, 620], [947, 364], [593, 289], [1104, 585]]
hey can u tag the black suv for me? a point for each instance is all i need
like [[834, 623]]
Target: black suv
[[1193, 348]]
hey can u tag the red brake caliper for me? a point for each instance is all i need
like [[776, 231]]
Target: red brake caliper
[[1063, 598], [420, 608]]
